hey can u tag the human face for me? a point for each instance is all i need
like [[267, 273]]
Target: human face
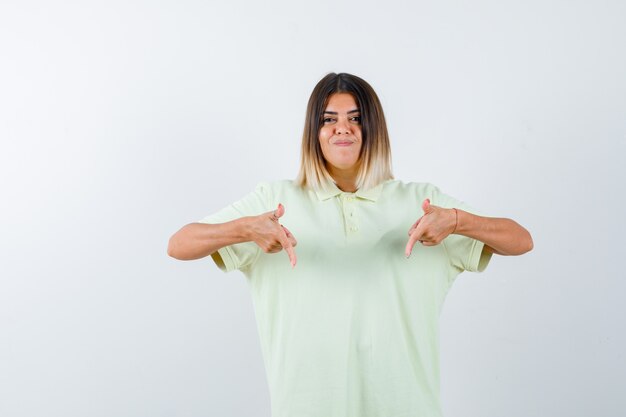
[[340, 134]]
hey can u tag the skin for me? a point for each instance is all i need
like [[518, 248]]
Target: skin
[[197, 240], [341, 140], [271, 236]]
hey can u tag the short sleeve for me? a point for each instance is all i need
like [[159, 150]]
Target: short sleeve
[[466, 254], [240, 255]]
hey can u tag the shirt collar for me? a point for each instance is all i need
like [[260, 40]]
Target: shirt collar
[[332, 190]]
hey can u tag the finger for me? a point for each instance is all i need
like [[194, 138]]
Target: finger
[[288, 248], [426, 205], [412, 229], [292, 254], [274, 247], [278, 213], [293, 240], [419, 232], [417, 235], [409, 245]]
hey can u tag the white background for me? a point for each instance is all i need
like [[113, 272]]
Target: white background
[[122, 121]]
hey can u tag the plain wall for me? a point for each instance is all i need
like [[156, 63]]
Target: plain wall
[[122, 121]]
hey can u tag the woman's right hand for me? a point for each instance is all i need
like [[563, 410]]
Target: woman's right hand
[[266, 231]]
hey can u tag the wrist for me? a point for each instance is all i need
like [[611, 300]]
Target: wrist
[[466, 223], [455, 220], [244, 228]]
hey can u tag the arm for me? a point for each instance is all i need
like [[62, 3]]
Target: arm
[[500, 236], [197, 240]]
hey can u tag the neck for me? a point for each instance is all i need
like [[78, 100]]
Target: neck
[[345, 179]]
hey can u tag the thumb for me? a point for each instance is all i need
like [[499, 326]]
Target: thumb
[[426, 205], [279, 211]]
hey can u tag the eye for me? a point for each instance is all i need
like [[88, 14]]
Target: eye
[[327, 119], [356, 119]]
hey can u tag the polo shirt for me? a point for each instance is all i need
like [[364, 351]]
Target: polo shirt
[[353, 329]]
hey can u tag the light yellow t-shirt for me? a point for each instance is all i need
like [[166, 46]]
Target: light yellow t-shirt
[[353, 329]]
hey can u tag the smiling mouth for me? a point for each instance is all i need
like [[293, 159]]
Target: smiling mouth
[[343, 143]]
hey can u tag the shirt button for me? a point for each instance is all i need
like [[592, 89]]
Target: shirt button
[[354, 228]]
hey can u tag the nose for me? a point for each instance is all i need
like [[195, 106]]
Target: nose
[[342, 127]]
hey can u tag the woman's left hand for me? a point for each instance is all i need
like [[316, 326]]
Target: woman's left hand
[[433, 227]]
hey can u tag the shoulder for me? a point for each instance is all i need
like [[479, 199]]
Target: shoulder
[[280, 189], [398, 188], [402, 192], [279, 186]]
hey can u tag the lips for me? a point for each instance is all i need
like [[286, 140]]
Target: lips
[[343, 143]]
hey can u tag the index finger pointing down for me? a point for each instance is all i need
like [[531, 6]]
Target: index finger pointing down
[[292, 239], [284, 241]]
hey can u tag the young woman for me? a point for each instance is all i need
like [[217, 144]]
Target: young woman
[[349, 326]]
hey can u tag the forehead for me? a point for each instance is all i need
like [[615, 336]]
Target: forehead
[[341, 101]]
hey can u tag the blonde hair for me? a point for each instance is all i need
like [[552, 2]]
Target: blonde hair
[[375, 155]]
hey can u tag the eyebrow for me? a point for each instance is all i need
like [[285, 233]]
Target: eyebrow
[[351, 111]]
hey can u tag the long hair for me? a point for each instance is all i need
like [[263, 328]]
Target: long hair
[[375, 155]]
